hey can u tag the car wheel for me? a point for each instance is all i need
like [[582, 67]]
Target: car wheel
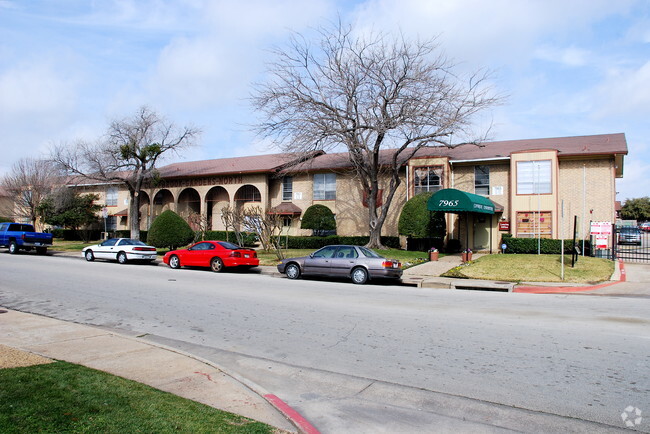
[[121, 258], [89, 256], [359, 276], [13, 247], [292, 271], [174, 262], [216, 265]]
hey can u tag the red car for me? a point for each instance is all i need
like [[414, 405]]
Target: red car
[[213, 254]]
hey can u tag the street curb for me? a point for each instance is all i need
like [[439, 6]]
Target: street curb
[[296, 419], [570, 289]]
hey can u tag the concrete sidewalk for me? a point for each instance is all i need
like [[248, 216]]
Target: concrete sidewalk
[[157, 366]]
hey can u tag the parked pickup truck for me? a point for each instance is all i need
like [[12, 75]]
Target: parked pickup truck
[[20, 236]]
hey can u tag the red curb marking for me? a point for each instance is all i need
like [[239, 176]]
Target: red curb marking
[[291, 414], [569, 289]]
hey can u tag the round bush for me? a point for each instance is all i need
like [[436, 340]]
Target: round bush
[[169, 230], [416, 221], [319, 218]]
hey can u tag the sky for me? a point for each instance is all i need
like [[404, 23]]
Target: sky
[[69, 67]]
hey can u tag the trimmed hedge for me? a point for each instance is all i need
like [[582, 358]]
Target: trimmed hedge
[[318, 242], [547, 246]]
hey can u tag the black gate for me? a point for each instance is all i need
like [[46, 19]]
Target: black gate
[[630, 244]]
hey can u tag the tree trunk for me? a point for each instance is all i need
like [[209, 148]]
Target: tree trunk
[[134, 215]]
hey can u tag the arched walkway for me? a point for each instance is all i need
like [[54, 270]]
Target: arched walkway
[[189, 203], [145, 208], [162, 201], [216, 199], [246, 194]]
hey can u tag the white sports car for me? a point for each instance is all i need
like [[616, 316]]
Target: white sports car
[[121, 250]]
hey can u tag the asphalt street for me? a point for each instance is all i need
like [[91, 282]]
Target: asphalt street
[[373, 358]]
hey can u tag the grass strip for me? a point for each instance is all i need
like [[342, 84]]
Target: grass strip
[[535, 268], [64, 397]]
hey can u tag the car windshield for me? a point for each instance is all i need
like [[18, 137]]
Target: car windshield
[[130, 242], [229, 246], [369, 253], [629, 229]]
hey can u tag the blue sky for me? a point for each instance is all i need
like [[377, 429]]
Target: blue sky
[[68, 67]]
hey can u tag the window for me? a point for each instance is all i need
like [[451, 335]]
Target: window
[[287, 188], [533, 224], [111, 196], [427, 179], [111, 223], [482, 180], [534, 177], [248, 193], [286, 221], [324, 186], [325, 252]]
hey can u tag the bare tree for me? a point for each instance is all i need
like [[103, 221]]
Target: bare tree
[[232, 217], [267, 226], [28, 183], [381, 98], [127, 155]]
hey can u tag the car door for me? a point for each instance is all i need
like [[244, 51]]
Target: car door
[[343, 261], [106, 249], [196, 254], [319, 261]]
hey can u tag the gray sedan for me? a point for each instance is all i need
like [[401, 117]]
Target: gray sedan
[[356, 262]]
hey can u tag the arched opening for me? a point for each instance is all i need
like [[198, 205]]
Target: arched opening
[[189, 206], [145, 207], [247, 193], [162, 201], [215, 200]]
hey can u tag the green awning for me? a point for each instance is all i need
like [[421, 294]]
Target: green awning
[[452, 200]]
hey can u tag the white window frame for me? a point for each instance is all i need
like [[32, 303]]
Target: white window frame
[[111, 196], [325, 186], [480, 187], [422, 179], [534, 177], [287, 188]]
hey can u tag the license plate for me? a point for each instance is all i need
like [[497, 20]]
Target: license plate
[[247, 256]]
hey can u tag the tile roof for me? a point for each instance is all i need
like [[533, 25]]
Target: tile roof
[[255, 163], [604, 144]]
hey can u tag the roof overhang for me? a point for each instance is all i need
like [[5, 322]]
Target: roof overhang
[[456, 201], [286, 208]]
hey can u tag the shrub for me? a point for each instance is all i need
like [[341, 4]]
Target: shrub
[[169, 230], [546, 245], [6, 220], [318, 218], [416, 221]]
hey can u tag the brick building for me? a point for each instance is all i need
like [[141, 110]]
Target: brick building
[[529, 182]]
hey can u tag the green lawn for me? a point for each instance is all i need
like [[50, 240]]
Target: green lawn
[[63, 397], [535, 268]]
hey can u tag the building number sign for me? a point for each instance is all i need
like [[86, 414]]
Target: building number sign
[[448, 203]]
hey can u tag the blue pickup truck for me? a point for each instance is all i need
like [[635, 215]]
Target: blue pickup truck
[[20, 236]]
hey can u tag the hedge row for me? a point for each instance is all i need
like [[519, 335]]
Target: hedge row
[[318, 242], [546, 245]]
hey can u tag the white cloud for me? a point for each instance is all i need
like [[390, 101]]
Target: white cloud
[[625, 92], [570, 56]]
